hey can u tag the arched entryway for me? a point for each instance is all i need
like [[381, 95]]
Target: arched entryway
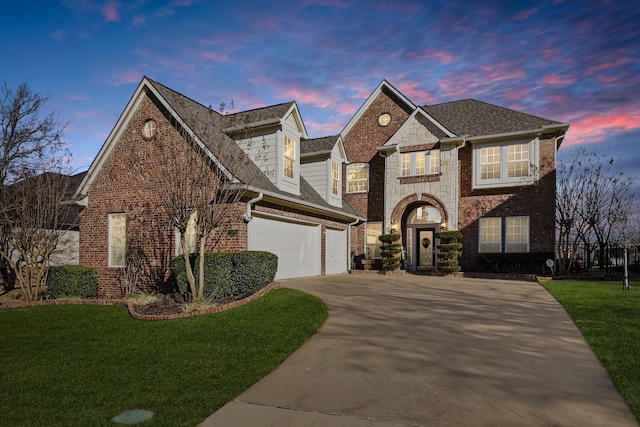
[[420, 223]]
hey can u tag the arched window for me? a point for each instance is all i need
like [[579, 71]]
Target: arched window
[[424, 215]]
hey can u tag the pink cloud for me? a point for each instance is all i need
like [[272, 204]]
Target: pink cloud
[[494, 73], [126, 77], [524, 14], [214, 56], [414, 93], [327, 128], [597, 126], [518, 93], [110, 11], [443, 56], [556, 79], [307, 96]]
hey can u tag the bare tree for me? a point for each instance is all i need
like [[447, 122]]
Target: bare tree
[[31, 140], [31, 143], [627, 235], [591, 199], [34, 217]]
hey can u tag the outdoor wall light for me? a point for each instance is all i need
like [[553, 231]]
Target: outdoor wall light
[[443, 225], [394, 227]]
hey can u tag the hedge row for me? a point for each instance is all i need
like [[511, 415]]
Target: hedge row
[[228, 274], [72, 281]]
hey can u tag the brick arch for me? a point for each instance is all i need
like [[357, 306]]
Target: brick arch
[[401, 207]]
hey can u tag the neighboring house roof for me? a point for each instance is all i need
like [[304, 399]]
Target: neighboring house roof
[[257, 117], [318, 145], [473, 118]]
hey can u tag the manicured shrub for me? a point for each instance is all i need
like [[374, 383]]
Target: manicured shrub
[[228, 274], [390, 251], [449, 250], [72, 281]]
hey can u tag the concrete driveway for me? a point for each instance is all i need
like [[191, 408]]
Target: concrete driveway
[[433, 351]]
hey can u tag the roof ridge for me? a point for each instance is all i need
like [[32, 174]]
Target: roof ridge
[[259, 108], [183, 95]]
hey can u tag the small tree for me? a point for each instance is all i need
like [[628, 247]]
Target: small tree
[[34, 218], [449, 250], [390, 251]]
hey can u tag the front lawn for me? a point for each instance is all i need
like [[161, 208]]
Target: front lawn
[[609, 319], [81, 365]]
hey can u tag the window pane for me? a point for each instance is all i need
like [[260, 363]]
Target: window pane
[[489, 235], [434, 161], [289, 147], [335, 178], [117, 239], [409, 248], [406, 164], [289, 166], [518, 156], [490, 163], [420, 155], [517, 234], [357, 178], [374, 230]]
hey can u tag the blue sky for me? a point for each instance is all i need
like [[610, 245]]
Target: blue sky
[[571, 61]]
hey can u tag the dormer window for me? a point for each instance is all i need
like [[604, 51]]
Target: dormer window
[[335, 178], [289, 157]]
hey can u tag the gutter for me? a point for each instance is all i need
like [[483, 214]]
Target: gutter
[[247, 217]]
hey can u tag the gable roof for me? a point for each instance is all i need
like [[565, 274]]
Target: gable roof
[[208, 130], [383, 86], [474, 118]]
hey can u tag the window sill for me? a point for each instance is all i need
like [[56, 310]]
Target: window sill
[[434, 177]]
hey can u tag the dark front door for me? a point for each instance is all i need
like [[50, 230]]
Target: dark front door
[[425, 242]]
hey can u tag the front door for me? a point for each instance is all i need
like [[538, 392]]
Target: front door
[[425, 249]]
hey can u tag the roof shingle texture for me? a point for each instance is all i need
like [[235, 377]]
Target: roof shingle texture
[[477, 118]]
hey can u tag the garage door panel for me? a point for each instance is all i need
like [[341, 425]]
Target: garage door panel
[[296, 245]]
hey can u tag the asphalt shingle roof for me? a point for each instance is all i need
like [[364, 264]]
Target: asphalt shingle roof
[[209, 126], [318, 145], [477, 118]]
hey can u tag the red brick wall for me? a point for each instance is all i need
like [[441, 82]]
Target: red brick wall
[[361, 145], [128, 183], [535, 201]]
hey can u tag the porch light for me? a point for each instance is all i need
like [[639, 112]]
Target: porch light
[[394, 228], [443, 225]]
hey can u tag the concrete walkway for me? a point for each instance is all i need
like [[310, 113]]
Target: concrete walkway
[[433, 351]]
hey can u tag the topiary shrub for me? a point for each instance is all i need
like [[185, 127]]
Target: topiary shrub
[[390, 251], [228, 274], [449, 250], [72, 281]]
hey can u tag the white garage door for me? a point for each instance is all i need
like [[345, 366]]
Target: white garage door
[[297, 245], [335, 257]]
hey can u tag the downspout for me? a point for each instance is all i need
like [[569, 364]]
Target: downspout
[[247, 217]]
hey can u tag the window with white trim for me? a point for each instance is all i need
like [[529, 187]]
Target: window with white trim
[[191, 236], [357, 178], [489, 235], [335, 178], [517, 239], [504, 164], [289, 157], [117, 239], [374, 230], [420, 163]]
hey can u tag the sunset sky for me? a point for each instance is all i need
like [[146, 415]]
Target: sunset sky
[[571, 61]]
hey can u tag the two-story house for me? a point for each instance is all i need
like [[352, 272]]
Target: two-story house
[[293, 204], [467, 165]]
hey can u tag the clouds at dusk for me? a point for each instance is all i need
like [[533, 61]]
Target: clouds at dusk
[[570, 61]]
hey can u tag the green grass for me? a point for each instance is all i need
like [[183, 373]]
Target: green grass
[[609, 319], [83, 365]]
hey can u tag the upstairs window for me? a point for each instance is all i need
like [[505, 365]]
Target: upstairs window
[[505, 164], [335, 178], [289, 157], [358, 178], [420, 163]]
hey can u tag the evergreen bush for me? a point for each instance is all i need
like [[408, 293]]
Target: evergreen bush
[[390, 251], [72, 281], [449, 250]]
